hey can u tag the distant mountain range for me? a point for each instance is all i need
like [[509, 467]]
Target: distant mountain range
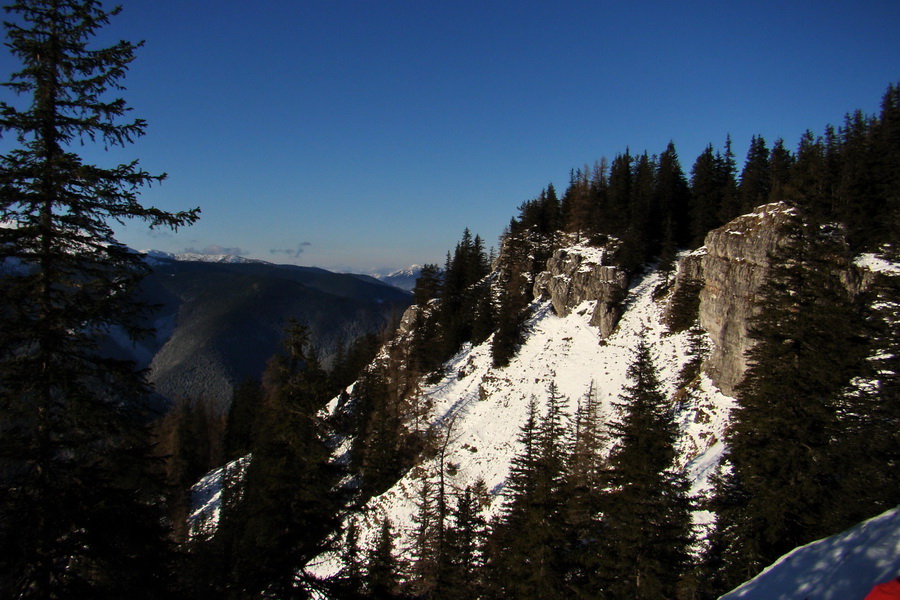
[[221, 318], [405, 279]]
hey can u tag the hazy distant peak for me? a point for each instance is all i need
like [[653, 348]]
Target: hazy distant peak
[[404, 279], [198, 257]]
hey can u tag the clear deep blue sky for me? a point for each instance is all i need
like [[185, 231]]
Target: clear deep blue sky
[[357, 135]]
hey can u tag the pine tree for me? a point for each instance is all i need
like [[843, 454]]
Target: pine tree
[[463, 555], [615, 214], [382, 447], [780, 162], [78, 511], [705, 196], [697, 351], [382, 570], [349, 582], [780, 475], [290, 501], [640, 240], [886, 148], [858, 203], [513, 295], [646, 521], [428, 284], [528, 541], [672, 201], [807, 183], [756, 180], [246, 402], [425, 553], [577, 207], [582, 492], [729, 206]]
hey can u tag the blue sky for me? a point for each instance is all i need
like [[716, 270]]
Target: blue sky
[[357, 135]]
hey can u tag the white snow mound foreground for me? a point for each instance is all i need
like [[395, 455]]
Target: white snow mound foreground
[[844, 566]]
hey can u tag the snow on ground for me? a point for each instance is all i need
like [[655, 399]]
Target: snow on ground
[[206, 497], [842, 567], [486, 407], [877, 264]]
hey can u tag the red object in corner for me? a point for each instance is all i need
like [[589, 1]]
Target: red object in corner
[[889, 590]]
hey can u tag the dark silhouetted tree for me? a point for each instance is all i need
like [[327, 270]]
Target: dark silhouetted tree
[[646, 521], [79, 516], [290, 502], [756, 178], [781, 477]]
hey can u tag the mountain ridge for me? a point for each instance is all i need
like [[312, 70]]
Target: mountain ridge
[[218, 322]]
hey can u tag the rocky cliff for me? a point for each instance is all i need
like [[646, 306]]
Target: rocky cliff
[[732, 269], [727, 273], [585, 273]]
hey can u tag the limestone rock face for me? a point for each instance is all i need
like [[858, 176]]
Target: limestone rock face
[[581, 273], [732, 266]]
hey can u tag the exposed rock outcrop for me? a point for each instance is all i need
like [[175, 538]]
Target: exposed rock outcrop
[[725, 276], [732, 267], [581, 273]]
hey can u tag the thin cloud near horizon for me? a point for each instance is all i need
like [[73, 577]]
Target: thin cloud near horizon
[[293, 253]]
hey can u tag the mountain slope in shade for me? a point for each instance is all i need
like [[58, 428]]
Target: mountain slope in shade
[[842, 567], [219, 322]]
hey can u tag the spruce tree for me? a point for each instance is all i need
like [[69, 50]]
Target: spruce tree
[[857, 202], [780, 162], [641, 242], [756, 179], [577, 207], [886, 147], [463, 555], [672, 200], [582, 493], [615, 216], [382, 569], [807, 183], [706, 195], [646, 521], [781, 476], [729, 206], [513, 302], [428, 284], [78, 512], [349, 581], [290, 502], [868, 448], [527, 548]]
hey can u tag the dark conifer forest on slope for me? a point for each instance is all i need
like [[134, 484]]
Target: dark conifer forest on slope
[[94, 492]]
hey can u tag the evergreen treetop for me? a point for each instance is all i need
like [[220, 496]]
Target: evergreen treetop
[[75, 459]]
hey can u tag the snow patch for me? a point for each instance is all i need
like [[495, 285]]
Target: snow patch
[[485, 407], [842, 567]]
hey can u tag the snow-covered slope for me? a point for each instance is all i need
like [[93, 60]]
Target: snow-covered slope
[[842, 567], [484, 407]]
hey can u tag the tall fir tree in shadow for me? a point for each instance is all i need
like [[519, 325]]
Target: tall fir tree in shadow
[[78, 512], [647, 530], [780, 475], [583, 494], [289, 503], [526, 546]]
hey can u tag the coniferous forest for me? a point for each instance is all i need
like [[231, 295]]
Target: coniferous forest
[[94, 486]]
